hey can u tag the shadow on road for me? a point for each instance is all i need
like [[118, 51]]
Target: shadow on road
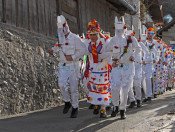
[[54, 121]]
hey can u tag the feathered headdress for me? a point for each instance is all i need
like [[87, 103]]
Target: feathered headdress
[[93, 27], [151, 31]]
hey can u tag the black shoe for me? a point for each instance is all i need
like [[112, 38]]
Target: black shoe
[[96, 109], [74, 112], [114, 111], [103, 114], [108, 108], [139, 103], [149, 99], [170, 88], [145, 100], [155, 95], [66, 107], [122, 114], [91, 106], [132, 104]]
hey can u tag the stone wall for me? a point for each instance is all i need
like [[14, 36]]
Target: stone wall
[[27, 79]]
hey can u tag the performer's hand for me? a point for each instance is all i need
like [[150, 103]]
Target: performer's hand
[[144, 63], [69, 58], [50, 51], [154, 61], [131, 58], [159, 62], [114, 64]]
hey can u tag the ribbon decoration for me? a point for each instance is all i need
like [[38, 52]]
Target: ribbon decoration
[[95, 50], [86, 72]]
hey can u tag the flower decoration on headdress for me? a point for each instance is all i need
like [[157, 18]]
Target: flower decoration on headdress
[[93, 27], [151, 31]]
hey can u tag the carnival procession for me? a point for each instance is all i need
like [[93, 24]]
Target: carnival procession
[[113, 69], [87, 65]]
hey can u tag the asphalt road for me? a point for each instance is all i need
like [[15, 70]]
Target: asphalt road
[[53, 120]]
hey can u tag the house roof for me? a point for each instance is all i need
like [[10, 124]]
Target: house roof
[[155, 11], [166, 27], [123, 6]]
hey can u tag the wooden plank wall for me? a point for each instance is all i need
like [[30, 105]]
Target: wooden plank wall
[[1, 13], [70, 11], [40, 15], [34, 15], [99, 10]]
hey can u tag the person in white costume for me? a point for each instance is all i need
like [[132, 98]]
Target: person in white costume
[[158, 67], [149, 59], [70, 48], [124, 49], [138, 76], [170, 70]]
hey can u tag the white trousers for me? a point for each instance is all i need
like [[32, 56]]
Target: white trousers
[[170, 77], [136, 84], [147, 84], [122, 80], [68, 75]]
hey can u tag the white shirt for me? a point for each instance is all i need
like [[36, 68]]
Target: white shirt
[[141, 53], [73, 46], [102, 55], [116, 47], [152, 54]]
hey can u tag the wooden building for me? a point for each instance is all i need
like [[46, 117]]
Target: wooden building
[[39, 16]]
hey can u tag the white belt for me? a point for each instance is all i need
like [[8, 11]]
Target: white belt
[[138, 62], [148, 62], [67, 64], [127, 62]]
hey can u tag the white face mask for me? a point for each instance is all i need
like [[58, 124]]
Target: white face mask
[[61, 35], [143, 37], [119, 32], [66, 29]]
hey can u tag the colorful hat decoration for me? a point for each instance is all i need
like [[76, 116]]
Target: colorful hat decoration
[[93, 27], [151, 31]]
